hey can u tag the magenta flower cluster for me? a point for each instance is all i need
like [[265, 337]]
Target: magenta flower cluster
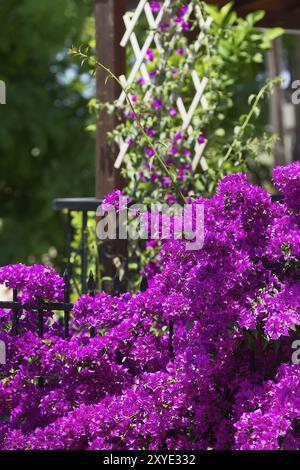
[[235, 310], [116, 200]]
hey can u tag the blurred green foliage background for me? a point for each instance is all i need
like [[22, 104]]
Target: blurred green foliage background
[[45, 151]]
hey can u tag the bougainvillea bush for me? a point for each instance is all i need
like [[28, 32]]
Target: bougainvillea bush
[[234, 305]]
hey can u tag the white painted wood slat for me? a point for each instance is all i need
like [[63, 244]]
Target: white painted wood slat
[[152, 36]]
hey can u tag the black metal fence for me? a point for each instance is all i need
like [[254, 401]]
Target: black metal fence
[[41, 306], [79, 257]]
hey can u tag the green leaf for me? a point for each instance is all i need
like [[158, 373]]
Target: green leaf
[[258, 58], [226, 9], [256, 16], [91, 128], [273, 33], [251, 99], [220, 132]]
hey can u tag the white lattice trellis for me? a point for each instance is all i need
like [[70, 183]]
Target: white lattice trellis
[[130, 21]]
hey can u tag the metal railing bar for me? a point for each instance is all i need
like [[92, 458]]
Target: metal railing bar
[[59, 306]]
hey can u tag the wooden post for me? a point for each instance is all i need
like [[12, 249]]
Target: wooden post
[[295, 71], [109, 31], [274, 69]]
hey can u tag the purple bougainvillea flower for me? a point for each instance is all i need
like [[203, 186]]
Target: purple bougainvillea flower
[[185, 25], [173, 150], [180, 51], [183, 10], [164, 26], [173, 112], [150, 132], [171, 199], [166, 181], [179, 19], [149, 151], [116, 199], [151, 243], [129, 141], [133, 98], [155, 6], [187, 152], [150, 55], [153, 73], [154, 177], [201, 139], [141, 81], [287, 181], [131, 115], [157, 104], [178, 136], [181, 175]]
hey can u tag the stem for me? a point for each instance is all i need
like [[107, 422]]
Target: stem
[[268, 85], [79, 53]]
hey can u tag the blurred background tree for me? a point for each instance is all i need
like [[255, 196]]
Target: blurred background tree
[[45, 151]]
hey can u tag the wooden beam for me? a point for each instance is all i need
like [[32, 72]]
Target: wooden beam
[[274, 69], [278, 13], [286, 20], [295, 71], [109, 31], [267, 5]]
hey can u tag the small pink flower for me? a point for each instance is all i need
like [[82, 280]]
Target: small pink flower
[[157, 104], [180, 174], [150, 55], [150, 131], [149, 151], [116, 199], [151, 243], [166, 181], [133, 98], [180, 51], [154, 177], [155, 6], [141, 81], [171, 199], [201, 139], [185, 25], [183, 10], [142, 176], [173, 112], [178, 136], [164, 26], [173, 150]]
